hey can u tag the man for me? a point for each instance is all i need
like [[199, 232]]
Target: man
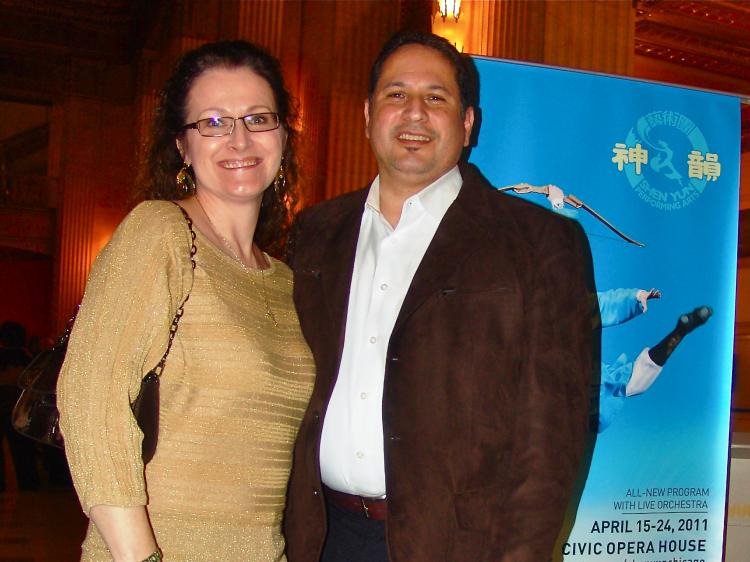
[[452, 335]]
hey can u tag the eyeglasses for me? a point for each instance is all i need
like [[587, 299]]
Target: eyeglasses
[[223, 126]]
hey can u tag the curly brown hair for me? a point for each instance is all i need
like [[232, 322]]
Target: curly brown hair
[[163, 160]]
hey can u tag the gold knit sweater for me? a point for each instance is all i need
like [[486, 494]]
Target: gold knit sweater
[[233, 392]]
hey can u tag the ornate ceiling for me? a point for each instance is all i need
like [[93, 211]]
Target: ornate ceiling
[[709, 35], [111, 30], [707, 38]]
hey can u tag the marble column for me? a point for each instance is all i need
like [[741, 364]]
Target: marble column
[[590, 35], [361, 28], [82, 121], [96, 180], [585, 34]]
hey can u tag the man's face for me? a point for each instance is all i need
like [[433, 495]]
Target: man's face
[[414, 121]]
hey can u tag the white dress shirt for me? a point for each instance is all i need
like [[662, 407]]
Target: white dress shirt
[[351, 447]]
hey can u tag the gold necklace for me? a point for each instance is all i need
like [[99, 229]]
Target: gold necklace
[[269, 311]]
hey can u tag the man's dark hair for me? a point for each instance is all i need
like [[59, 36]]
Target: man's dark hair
[[466, 75]]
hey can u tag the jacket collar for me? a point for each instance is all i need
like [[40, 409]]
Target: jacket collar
[[458, 236], [461, 231]]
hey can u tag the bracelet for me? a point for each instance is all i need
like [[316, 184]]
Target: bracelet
[[155, 556]]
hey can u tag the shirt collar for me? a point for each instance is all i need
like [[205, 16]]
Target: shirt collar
[[435, 198]]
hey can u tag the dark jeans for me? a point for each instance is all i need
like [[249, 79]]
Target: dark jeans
[[353, 538]]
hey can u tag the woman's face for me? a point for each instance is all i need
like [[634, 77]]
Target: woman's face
[[242, 165]]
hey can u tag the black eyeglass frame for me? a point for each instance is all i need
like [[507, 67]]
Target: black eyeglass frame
[[243, 118]]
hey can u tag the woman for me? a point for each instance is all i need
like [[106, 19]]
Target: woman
[[239, 374]]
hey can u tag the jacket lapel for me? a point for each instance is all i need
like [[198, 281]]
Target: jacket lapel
[[338, 265], [457, 237]]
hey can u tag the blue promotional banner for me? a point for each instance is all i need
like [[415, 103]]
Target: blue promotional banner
[[652, 174]]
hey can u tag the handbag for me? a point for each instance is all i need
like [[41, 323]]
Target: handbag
[[35, 414]]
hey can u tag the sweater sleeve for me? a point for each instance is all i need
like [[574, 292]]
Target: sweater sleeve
[[135, 286]]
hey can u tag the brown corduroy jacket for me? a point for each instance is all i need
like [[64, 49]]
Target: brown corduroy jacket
[[487, 380]]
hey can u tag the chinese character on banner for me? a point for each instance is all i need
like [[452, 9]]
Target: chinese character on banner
[[621, 155], [707, 167], [638, 156], [629, 155]]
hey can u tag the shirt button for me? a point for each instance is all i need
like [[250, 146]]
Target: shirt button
[[373, 339], [363, 396], [360, 455], [384, 286]]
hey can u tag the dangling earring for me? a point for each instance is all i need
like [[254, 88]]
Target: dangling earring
[[279, 182], [185, 181]]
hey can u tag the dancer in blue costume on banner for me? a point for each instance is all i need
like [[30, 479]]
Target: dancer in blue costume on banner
[[623, 379]]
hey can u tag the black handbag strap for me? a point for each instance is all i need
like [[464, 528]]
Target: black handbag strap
[[179, 312]]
